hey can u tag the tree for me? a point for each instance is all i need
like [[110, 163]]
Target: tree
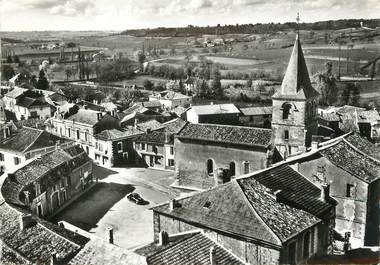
[[148, 85], [42, 82], [216, 85], [326, 85], [355, 95], [249, 83], [7, 72], [68, 73], [346, 94], [141, 59], [9, 59], [16, 59], [71, 45]]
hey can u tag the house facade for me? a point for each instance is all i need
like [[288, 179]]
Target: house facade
[[170, 99], [214, 113], [81, 125], [256, 116]]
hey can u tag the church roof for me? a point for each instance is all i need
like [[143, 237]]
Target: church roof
[[296, 83]]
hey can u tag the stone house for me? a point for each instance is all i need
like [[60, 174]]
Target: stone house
[[209, 154], [156, 148], [49, 182], [256, 116], [81, 125], [115, 147], [170, 99], [247, 220], [353, 172]]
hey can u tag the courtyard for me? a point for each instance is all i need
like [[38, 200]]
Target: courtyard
[[106, 204]]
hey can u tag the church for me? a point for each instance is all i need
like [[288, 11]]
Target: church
[[294, 117]]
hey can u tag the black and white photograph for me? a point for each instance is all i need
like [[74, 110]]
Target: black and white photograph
[[189, 132]]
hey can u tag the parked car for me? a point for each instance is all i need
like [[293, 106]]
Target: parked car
[[136, 198]]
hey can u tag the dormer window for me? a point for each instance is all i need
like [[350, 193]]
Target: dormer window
[[286, 111]]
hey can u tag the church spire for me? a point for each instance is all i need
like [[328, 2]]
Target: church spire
[[296, 82]]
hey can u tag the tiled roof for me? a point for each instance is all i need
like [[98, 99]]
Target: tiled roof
[[98, 252], [292, 188], [227, 134], [174, 126], [228, 211], [157, 137], [359, 165], [364, 145], [45, 167], [150, 104], [168, 94], [114, 134], [16, 92], [242, 208], [296, 83], [282, 219], [85, 116], [330, 116], [90, 105], [368, 116], [192, 248], [215, 109], [251, 111], [348, 108], [150, 124], [27, 139], [109, 105]]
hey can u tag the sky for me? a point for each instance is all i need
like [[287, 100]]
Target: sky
[[27, 15]]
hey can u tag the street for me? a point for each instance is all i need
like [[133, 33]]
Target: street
[[106, 205]]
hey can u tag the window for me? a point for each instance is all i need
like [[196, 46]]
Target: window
[[17, 160], [306, 245], [120, 147], [292, 253], [286, 135], [1, 157], [86, 136], [210, 167], [154, 149], [350, 190], [142, 146], [286, 111], [171, 162], [246, 167], [232, 169], [69, 132], [78, 135], [171, 150]]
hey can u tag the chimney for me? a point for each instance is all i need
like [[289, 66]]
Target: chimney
[[26, 220], [99, 116], [212, 255], [136, 121], [325, 192], [172, 204], [78, 100], [53, 258], [315, 140], [85, 106], [110, 234], [163, 238], [166, 137], [57, 145]]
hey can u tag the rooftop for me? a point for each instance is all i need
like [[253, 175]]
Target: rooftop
[[114, 134], [214, 109], [296, 83], [364, 145], [189, 248], [262, 110], [227, 134], [244, 209], [27, 139], [360, 165], [291, 187], [86, 116], [368, 116]]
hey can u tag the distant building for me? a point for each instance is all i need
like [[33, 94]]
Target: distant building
[[294, 118], [246, 219], [256, 116], [214, 113], [170, 99], [81, 125], [207, 154], [20, 145], [190, 84]]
